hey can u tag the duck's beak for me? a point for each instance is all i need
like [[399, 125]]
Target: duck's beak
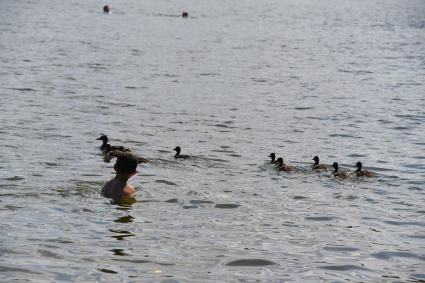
[[98, 139]]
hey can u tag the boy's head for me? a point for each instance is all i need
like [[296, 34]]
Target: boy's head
[[126, 164]]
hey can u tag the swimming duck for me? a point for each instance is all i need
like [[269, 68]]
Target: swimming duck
[[280, 166], [177, 155], [272, 156], [316, 165], [337, 173], [105, 144], [359, 172]]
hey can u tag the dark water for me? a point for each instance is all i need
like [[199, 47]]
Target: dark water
[[231, 83]]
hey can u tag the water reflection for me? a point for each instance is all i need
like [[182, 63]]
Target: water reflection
[[124, 202], [119, 252], [124, 219], [239, 210]]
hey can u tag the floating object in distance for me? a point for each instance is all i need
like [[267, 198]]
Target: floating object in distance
[[185, 14], [106, 9]]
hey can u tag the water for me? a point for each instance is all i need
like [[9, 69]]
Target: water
[[233, 82]]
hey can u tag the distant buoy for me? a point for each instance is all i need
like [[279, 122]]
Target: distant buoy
[[185, 14], [106, 9]]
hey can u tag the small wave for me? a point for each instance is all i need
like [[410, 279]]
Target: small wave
[[300, 197], [389, 255], [165, 182], [15, 269], [259, 80], [356, 155], [143, 261], [105, 270], [303, 108], [340, 249], [194, 201], [250, 262], [342, 136], [210, 74], [320, 218], [190, 206], [227, 205], [24, 89], [346, 267], [14, 178], [405, 223]]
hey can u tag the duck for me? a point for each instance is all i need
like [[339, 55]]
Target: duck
[[317, 166], [359, 172], [272, 156], [178, 155], [104, 146], [337, 173], [280, 166], [185, 14]]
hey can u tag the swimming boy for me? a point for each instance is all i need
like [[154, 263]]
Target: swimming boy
[[118, 188]]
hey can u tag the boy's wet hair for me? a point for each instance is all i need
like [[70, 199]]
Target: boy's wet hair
[[126, 163]]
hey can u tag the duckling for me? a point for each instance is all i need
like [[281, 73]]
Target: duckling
[[104, 147], [359, 172], [272, 156], [280, 166], [317, 166], [337, 173], [177, 155]]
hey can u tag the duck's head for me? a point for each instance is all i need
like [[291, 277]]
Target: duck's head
[[279, 162], [316, 160], [106, 9], [272, 156], [177, 149], [335, 166], [359, 166], [103, 138]]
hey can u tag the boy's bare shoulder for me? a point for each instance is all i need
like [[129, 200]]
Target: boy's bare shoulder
[[115, 189], [106, 190], [129, 190]]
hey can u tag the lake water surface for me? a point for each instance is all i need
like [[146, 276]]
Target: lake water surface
[[231, 83]]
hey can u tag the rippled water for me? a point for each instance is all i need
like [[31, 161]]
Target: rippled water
[[233, 82]]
